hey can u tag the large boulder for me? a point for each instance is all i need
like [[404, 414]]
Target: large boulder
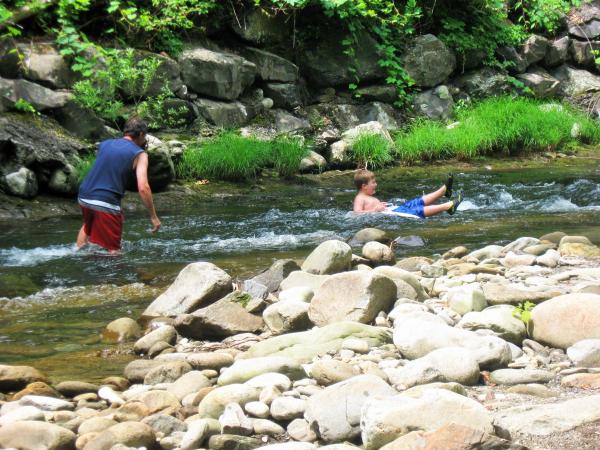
[[535, 48], [575, 82], [223, 114], [16, 377], [22, 183], [274, 275], [356, 296], [286, 316], [328, 64], [557, 53], [585, 24], [513, 294], [334, 413], [436, 104], [197, 285], [304, 346], [216, 74], [485, 82], [329, 257], [428, 61], [386, 419], [41, 98], [82, 122], [407, 285], [271, 67], [161, 170], [40, 62], [222, 318], [167, 75], [299, 278], [566, 319], [541, 83], [285, 95], [36, 435], [416, 338]]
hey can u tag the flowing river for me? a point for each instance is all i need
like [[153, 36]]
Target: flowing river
[[55, 302]]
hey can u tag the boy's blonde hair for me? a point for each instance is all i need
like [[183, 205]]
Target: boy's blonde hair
[[362, 177]]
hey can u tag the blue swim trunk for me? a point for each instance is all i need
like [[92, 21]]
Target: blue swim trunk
[[414, 207]]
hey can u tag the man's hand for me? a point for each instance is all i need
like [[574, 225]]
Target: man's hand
[[155, 224]]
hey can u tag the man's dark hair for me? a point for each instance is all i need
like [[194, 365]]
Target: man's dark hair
[[134, 127]]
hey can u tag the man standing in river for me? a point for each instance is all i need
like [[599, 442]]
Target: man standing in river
[[104, 186]]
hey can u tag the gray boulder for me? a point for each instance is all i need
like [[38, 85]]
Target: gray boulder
[[223, 114], [436, 104], [586, 23], [81, 121], [161, 170], [407, 285], [270, 67], [274, 275], [64, 181], [167, 75], [288, 123], [329, 257], [327, 64], [354, 296], [428, 61], [216, 74], [574, 82], [517, 63], [300, 278], [222, 318], [378, 92], [485, 82], [313, 162], [285, 95], [534, 49], [164, 333], [557, 53], [22, 183], [334, 413], [197, 285], [286, 316], [541, 83], [41, 98], [129, 434]]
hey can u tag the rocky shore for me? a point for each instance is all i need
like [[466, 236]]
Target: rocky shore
[[495, 348]]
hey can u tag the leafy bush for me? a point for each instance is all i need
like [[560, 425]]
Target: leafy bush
[[84, 165], [497, 125], [233, 157], [370, 150]]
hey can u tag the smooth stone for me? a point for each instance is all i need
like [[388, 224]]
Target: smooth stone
[[22, 413], [36, 436], [46, 403], [278, 380], [165, 424], [234, 421], [536, 390], [243, 370], [267, 427], [299, 278], [188, 383], [129, 433], [299, 293], [95, 424], [327, 372], [520, 376], [196, 434], [123, 329], [466, 298], [299, 430], [165, 333], [257, 409], [159, 400], [585, 353], [329, 257], [407, 284], [16, 377], [74, 388], [582, 381], [287, 408], [498, 319], [232, 441], [356, 345], [378, 253], [213, 404]]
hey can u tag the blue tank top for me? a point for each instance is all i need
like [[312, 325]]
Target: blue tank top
[[111, 172]]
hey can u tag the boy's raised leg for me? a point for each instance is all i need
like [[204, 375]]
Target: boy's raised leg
[[430, 198], [432, 210]]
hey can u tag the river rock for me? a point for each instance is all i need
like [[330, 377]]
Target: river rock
[[21, 183], [435, 104], [413, 263], [451, 364], [271, 379], [564, 320], [299, 278], [41, 98], [271, 67], [130, 434], [451, 437], [300, 430], [165, 333], [415, 338], [304, 346], [512, 259], [36, 435], [513, 294], [574, 82], [378, 253], [333, 424], [549, 259], [167, 372], [137, 369], [384, 420], [355, 296], [287, 408], [297, 294], [487, 252], [546, 419], [197, 285], [165, 424], [36, 388], [286, 316], [244, 369], [578, 246], [222, 318], [232, 441], [274, 275], [312, 162], [520, 376], [428, 61], [20, 414], [234, 421], [369, 234], [582, 381], [216, 74], [328, 258], [158, 400], [401, 278], [499, 319], [95, 424], [123, 329], [466, 298], [327, 372], [197, 432], [258, 409], [585, 353], [46, 403], [74, 388], [188, 383], [213, 404]]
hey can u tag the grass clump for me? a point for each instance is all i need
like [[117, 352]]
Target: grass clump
[[370, 150], [495, 125], [236, 158]]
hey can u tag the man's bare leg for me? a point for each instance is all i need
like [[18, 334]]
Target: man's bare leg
[[428, 199], [82, 238]]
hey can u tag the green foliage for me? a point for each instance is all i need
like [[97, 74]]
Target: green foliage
[[523, 311], [542, 15], [233, 157], [157, 116], [84, 165], [503, 124], [370, 151], [24, 106]]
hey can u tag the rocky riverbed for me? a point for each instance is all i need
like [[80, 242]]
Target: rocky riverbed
[[496, 347]]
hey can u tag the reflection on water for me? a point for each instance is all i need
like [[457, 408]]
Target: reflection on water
[[54, 301]]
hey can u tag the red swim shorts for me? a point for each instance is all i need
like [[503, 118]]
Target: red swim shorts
[[104, 229]]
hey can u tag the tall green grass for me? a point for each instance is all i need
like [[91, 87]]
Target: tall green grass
[[500, 124], [233, 157], [370, 151]]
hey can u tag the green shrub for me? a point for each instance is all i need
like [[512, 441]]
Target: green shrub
[[84, 165], [227, 157], [503, 124], [370, 150], [286, 154]]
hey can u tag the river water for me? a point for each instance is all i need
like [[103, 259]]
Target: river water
[[54, 301]]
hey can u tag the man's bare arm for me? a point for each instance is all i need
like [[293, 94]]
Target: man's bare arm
[[141, 171]]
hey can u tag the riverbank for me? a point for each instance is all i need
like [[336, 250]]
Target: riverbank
[[490, 338]]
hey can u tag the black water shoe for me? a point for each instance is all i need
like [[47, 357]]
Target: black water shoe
[[455, 202], [448, 185]]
